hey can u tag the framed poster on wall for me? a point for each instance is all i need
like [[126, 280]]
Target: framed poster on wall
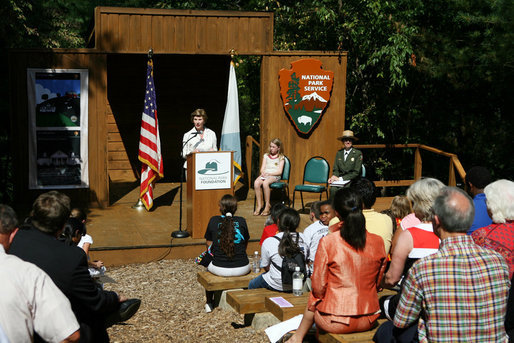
[[58, 117]]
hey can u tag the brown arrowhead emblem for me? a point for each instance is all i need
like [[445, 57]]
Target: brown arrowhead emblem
[[305, 90]]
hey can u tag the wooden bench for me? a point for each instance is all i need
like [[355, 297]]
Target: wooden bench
[[213, 282], [356, 337], [250, 302], [284, 313]]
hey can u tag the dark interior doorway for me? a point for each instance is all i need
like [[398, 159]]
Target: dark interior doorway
[[183, 83]]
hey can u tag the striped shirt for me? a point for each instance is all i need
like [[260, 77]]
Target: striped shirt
[[459, 294]]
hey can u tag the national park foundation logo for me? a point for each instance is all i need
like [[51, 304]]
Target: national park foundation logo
[[305, 91]]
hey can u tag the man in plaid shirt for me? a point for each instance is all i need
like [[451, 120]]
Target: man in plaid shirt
[[459, 293]]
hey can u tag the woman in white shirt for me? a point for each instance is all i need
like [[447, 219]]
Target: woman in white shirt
[[289, 243], [199, 138]]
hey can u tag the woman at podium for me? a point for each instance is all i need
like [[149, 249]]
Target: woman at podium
[[199, 138]]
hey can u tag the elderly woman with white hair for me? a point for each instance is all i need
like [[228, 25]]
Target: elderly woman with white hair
[[418, 241], [499, 236]]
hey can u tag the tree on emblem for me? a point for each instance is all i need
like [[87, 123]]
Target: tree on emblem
[[293, 96]]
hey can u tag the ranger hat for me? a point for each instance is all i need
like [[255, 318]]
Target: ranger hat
[[348, 134]]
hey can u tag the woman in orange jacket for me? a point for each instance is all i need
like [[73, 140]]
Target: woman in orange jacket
[[348, 267]]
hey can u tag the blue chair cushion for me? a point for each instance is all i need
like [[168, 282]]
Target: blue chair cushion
[[278, 185], [310, 188]]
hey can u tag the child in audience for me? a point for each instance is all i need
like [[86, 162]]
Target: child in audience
[[73, 231], [272, 229], [287, 242], [96, 268], [271, 170], [322, 212], [228, 237], [400, 209]]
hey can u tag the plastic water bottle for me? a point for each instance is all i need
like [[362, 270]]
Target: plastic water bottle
[[256, 263], [297, 281]]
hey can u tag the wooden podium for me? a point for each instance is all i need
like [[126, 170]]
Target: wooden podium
[[207, 176]]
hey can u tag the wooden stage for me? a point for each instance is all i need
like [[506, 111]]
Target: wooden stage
[[124, 235]]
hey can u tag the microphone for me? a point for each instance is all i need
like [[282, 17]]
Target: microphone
[[197, 133]]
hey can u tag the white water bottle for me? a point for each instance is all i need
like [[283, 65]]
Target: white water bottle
[[297, 281], [256, 263]]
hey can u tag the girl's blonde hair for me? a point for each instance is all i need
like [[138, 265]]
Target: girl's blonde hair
[[278, 143], [400, 206]]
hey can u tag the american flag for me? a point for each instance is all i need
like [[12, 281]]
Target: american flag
[[149, 143]]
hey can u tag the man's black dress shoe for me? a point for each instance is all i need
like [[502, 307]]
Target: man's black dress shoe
[[127, 309]]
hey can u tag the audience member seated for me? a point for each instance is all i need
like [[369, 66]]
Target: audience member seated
[[347, 271], [477, 178], [322, 212], [287, 242], [499, 236], [458, 294], [227, 236], [413, 243], [30, 301], [399, 209], [272, 229], [509, 317], [271, 170], [377, 223], [36, 242], [96, 268]]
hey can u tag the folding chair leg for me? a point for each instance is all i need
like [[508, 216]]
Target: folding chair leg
[[254, 203], [301, 196], [294, 192]]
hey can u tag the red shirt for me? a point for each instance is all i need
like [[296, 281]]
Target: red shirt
[[269, 231], [500, 238]]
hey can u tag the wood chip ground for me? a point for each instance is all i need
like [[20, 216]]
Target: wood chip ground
[[172, 308]]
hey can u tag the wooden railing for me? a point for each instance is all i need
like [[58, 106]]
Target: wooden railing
[[418, 164], [454, 164]]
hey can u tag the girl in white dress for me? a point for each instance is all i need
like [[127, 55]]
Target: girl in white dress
[[271, 170]]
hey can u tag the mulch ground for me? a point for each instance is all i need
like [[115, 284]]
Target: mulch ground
[[172, 308]]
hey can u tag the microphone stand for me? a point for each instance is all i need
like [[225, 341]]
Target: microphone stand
[[179, 233]]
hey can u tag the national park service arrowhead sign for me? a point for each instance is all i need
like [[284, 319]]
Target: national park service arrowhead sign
[[305, 91]]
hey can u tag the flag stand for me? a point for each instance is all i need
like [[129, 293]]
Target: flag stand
[[138, 205], [180, 233]]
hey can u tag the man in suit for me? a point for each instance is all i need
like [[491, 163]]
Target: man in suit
[[348, 162], [37, 242]]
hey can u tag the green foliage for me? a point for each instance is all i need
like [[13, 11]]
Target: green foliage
[[438, 72]]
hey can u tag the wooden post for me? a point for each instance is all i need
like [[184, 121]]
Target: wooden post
[[417, 164], [451, 178], [248, 157]]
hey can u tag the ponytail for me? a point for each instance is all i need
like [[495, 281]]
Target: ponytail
[[288, 222], [348, 206], [228, 206]]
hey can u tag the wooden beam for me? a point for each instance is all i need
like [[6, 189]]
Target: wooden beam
[[459, 167], [394, 183], [451, 178], [418, 164]]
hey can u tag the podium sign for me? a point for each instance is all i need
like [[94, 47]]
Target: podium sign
[[209, 177], [213, 171]]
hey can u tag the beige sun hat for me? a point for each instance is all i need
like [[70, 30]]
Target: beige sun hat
[[348, 134]]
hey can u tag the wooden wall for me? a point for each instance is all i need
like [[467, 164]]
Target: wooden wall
[[275, 123], [135, 30], [19, 61]]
